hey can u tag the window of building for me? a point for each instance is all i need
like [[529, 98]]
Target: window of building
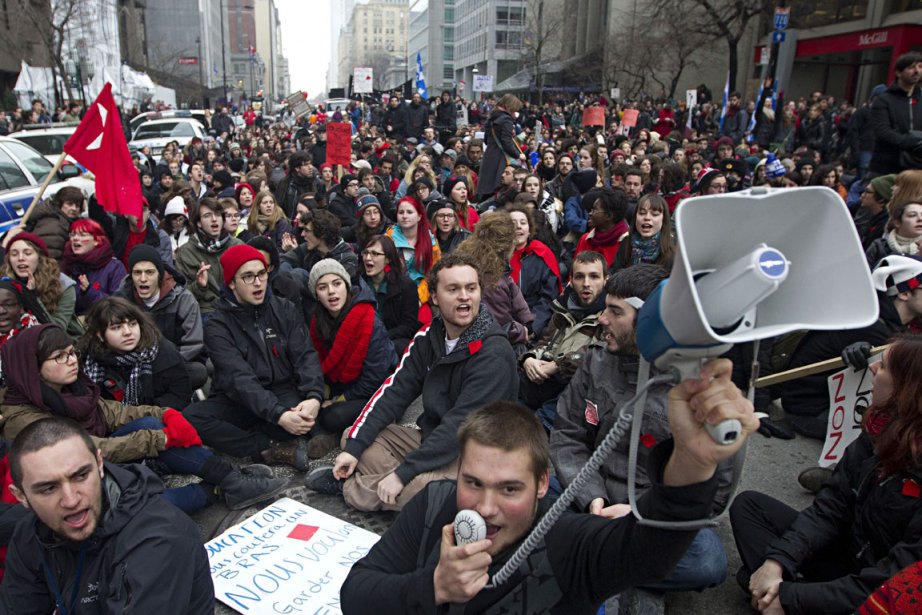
[[827, 12], [448, 73], [448, 53]]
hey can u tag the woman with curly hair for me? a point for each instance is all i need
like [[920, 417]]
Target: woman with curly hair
[[88, 258], [864, 525], [27, 262], [416, 243], [492, 245]]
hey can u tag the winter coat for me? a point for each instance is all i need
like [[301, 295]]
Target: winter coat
[[282, 227], [258, 349], [395, 117], [145, 556], [567, 337], [50, 224], [169, 388], [176, 313], [118, 228], [416, 119], [893, 115], [480, 370], [398, 307], [445, 118], [344, 208], [189, 257], [290, 190], [575, 218], [879, 522], [104, 281], [407, 252], [448, 244], [540, 286], [499, 145], [814, 134], [586, 412]]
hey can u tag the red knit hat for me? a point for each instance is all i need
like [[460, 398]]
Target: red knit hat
[[236, 257], [32, 238], [240, 187]]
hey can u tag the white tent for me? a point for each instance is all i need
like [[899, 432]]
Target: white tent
[[34, 83]]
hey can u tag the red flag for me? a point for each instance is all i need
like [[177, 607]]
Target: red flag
[[99, 145]]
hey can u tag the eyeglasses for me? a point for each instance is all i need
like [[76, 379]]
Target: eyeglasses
[[372, 253], [352, 185], [446, 216], [719, 187], [250, 278], [64, 357], [231, 216]]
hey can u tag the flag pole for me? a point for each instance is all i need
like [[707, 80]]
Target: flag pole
[[38, 195]]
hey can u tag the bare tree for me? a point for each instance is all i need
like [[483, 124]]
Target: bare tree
[[542, 37]]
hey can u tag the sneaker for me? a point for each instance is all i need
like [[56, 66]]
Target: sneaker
[[321, 480], [321, 445], [812, 479], [241, 490], [292, 453]]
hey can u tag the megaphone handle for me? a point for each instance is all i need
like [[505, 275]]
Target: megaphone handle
[[725, 432]]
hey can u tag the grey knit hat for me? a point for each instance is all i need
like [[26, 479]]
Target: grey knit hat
[[328, 265]]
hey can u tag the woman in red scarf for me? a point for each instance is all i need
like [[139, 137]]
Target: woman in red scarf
[[606, 219], [89, 260], [534, 268], [356, 353]]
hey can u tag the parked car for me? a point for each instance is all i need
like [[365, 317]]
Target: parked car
[[49, 139], [197, 114], [155, 134], [22, 171]]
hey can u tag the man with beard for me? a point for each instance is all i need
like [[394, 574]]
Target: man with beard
[[589, 407], [199, 259], [298, 182]]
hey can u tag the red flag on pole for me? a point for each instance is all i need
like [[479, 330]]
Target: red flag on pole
[[99, 145]]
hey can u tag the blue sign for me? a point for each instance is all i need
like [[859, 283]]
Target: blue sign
[[773, 263], [777, 37], [782, 17]]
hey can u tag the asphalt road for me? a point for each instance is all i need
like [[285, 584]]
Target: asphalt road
[[771, 466]]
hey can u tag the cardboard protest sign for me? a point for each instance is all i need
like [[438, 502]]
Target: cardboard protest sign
[[629, 118], [339, 143], [593, 116], [850, 395], [287, 558]]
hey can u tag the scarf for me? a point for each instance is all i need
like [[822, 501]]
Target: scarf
[[343, 362], [140, 378], [902, 245], [210, 245], [264, 222], [644, 250], [610, 237], [76, 265], [539, 249]]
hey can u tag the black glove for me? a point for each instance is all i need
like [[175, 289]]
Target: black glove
[[856, 355]]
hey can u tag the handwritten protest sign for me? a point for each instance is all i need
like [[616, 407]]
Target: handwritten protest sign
[[287, 558], [593, 116], [339, 143], [850, 395], [629, 118]]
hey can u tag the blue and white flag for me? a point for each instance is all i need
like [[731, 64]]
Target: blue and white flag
[[755, 114], [420, 78], [723, 111]]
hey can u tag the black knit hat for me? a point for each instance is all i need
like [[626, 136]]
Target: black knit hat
[[143, 252]]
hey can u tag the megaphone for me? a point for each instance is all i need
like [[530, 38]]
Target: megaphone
[[751, 265]]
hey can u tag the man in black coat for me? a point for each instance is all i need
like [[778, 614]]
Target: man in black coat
[[395, 125], [416, 117], [895, 114]]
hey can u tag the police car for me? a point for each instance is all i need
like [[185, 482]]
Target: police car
[[22, 171]]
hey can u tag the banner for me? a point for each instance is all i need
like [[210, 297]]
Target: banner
[[850, 395], [287, 558], [362, 80], [691, 98], [483, 83], [339, 143], [593, 116], [298, 104], [629, 119]]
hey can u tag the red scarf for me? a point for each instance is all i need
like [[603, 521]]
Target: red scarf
[[547, 255], [343, 363]]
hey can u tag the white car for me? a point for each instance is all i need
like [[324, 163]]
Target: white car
[[169, 114], [49, 140], [330, 104], [157, 133]]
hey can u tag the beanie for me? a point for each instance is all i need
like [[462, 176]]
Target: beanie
[[348, 177], [176, 207], [241, 187], [436, 204], [883, 186], [224, 178], [463, 161], [145, 253], [365, 201], [32, 238], [327, 265], [236, 257], [705, 177], [584, 180]]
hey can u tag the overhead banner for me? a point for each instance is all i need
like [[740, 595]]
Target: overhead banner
[[287, 558], [362, 80], [483, 83]]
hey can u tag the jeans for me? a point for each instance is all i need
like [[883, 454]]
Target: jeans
[[703, 565], [179, 460]]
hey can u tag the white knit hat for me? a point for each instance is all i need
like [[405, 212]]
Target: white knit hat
[[897, 274], [327, 265], [176, 206]]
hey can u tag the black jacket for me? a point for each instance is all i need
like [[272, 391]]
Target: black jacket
[[497, 136], [257, 350], [416, 118], [445, 116], [302, 258], [168, 386], [395, 117], [398, 307], [540, 286], [290, 190], [880, 525], [146, 556], [893, 115], [582, 560], [343, 208], [117, 228]]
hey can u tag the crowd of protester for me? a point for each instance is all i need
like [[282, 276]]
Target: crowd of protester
[[270, 308]]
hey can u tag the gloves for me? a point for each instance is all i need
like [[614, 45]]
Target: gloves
[[856, 355], [179, 432]]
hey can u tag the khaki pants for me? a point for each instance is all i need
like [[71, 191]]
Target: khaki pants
[[380, 459]]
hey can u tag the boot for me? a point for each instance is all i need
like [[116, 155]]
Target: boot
[[241, 490], [292, 453], [321, 445]]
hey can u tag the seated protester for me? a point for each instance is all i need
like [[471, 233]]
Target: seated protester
[[904, 231], [175, 223], [127, 545], [542, 229], [281, 283], [129, 359], [125, 232], [457, 189], [575, 214], [88, 259], [244, 194], [267, 219], [424, 190], [26, 261], [356, 354], [547, 368], [873, 216], [444, 221], [503, 476], [651, 239], [372, 220], [51, 220], [19, 309], [459, 363], [490, 245], [863, 526], [609, 230], [416, 243], [710, 181], [376, 188], [199, 260], [321, 233], [160, 291], [44, 380], [534, 268], [806, 399], [588, 408], [396, 302], [341, 203], [232, 217], [267, 385]]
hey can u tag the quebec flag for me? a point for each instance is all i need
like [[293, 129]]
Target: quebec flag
[[420, 78]]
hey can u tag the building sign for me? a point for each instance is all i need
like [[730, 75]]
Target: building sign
[[872, 40], [782, 17], [189, 60]]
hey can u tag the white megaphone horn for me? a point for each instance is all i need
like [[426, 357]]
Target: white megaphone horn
[[752, 265]]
